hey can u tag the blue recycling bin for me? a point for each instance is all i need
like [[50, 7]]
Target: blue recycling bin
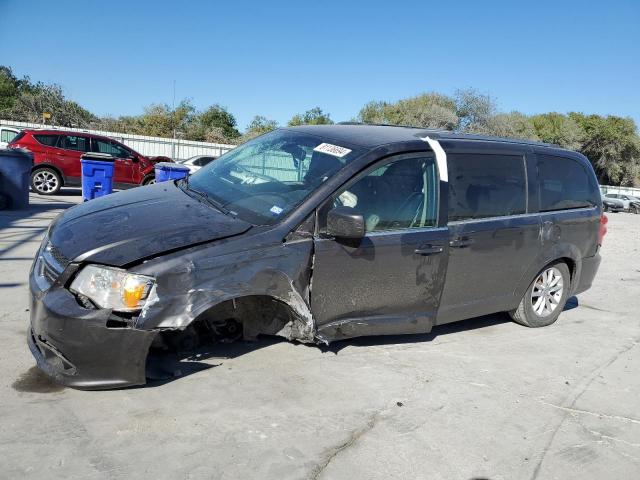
[[15, 177], [166, 171], [97, 175]]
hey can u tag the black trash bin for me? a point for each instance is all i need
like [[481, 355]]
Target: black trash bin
[[15, 176]]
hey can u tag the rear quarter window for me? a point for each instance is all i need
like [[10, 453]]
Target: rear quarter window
[[47, 140], [485, 186], [564, 184]]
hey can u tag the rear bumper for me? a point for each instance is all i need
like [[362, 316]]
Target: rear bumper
[[588, 272], [74, 346]]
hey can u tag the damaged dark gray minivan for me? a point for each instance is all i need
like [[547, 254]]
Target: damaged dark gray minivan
[[314, 233]]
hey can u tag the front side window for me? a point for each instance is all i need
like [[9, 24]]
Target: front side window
[[47, 140], [266, 178], [110, 148], [72, 142], [485, 186], [400, 194], [564, 184]]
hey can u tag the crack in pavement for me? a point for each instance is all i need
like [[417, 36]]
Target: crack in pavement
[[594, 374], [353, 438]]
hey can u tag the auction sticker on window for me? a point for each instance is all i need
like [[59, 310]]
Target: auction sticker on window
[[276, 209], [330, 149]]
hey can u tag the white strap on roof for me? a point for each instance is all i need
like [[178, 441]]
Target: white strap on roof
[[441, 158]]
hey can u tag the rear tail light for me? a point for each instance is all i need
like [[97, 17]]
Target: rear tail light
[[603, 228]]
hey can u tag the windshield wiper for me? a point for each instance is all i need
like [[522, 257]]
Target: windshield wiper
[[217, 205]]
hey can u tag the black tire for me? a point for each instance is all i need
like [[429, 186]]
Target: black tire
[[605, 208], [526, 315], [148, 180], [46, 181], [635, 209]]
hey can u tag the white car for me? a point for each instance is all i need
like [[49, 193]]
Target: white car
[[197, 162], [6, 135]]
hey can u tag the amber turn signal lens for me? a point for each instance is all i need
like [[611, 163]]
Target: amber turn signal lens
[[133, 292]]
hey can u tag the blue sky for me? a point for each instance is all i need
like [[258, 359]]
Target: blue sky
[[277, 58]]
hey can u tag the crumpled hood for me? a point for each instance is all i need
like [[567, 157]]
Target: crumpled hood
[[128, 226]]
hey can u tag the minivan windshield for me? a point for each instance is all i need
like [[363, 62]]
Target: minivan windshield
[[264, 179]]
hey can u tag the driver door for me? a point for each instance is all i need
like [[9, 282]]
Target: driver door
[[390, 281]]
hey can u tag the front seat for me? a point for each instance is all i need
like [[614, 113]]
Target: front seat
[[401, 194]]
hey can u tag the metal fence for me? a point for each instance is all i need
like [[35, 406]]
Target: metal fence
[[634, 192], [150, 146]]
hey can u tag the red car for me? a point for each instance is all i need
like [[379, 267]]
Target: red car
[[56, 159]]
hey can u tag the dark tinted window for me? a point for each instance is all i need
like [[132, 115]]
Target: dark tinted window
[[110, 148], [48, 140], [74, 142], [564, 183], [398, 195], [483, 186], [202, 161]]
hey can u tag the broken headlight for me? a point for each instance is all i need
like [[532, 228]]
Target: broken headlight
[[113, 288]]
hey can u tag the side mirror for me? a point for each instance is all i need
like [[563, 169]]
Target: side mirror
[[134, 158], [343, 222]]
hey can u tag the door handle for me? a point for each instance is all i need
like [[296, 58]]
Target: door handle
[[428, 249], [461, 242]]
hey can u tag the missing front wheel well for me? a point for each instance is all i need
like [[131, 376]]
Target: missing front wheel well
[[229, 321]]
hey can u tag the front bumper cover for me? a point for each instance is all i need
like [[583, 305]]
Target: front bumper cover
[[74, 346]]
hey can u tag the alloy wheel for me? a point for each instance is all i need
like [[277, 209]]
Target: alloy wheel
[[547, 292], [45, 182]]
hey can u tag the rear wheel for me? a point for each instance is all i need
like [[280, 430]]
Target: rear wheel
[[545, 298], [46, 181], [150, 180], [635, 209]]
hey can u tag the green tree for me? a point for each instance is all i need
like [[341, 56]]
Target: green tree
[[258, 126], [428, 110], [315, 116], [31, 102], [160, 120], [612, 145], [558, 129], [475, 110], [213, 123], [510, 125]]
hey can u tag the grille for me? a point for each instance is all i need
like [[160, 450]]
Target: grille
[[48, 272], [57, 255]]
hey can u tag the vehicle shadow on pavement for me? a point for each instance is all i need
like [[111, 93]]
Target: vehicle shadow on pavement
[[437, 331], [182, 365]]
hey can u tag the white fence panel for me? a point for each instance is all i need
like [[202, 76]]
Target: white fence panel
[[634, 192], [151, 146]]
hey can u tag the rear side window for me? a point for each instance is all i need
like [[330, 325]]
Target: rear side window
[[72, 142], [564, 184], [484, 186], [48, 140]]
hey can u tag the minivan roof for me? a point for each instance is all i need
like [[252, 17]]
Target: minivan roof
[[373, 135]]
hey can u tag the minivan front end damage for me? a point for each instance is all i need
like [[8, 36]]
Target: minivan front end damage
[[198, 298]]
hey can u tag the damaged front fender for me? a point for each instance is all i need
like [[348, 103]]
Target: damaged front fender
[[188, 286]]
